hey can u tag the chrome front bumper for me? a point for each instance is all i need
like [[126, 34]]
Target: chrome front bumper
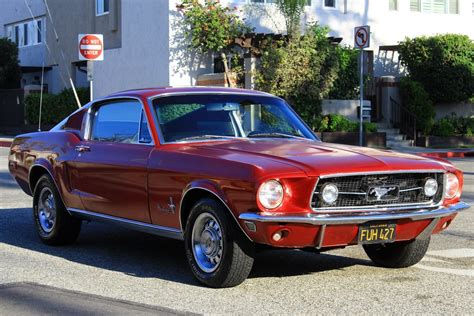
[[334, 219]]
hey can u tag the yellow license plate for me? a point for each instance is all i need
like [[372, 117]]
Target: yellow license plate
[[377, 233]]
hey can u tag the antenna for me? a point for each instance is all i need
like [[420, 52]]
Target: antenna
[[41, 98]]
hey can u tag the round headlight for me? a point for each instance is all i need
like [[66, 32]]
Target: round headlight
[[431, 187], [329, 193], [452, 185], [270, 194]]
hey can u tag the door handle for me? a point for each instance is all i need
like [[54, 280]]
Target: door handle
[[82, 148]]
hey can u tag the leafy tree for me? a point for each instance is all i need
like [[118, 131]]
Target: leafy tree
[[292, 11], [10, 72], [211, 27], [346, 86], [302, 71], [417, 100], [443, 64]]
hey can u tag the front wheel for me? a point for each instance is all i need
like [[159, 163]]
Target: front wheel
[[218, 253], [400, 254]]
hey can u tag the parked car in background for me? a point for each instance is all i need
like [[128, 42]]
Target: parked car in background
[[226, 170]]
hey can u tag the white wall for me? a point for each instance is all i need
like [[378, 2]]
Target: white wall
[[387, 27], [142, 61]]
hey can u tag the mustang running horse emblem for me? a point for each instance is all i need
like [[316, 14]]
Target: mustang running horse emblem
[[380, 192]]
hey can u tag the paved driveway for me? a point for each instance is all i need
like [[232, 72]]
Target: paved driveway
[[127, 268]]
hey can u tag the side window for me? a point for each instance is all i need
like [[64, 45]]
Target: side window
[[117, 122]]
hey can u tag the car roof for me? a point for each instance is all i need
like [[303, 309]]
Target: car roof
[[151, 92]]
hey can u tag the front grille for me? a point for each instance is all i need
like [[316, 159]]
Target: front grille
[[353, 190]]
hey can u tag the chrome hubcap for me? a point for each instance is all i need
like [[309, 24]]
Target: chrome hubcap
[[46, 210], [207, 242]]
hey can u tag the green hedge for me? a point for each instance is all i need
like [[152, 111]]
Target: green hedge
[[339, 123], [443, 64], [454, 126], [55, 106]]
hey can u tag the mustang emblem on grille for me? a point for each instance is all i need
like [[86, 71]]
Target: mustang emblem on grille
[[379, 192]]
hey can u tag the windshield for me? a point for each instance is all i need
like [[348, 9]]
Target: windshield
[[220, 116]]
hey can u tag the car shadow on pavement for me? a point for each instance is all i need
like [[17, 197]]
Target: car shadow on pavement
[[147, 256], [7, 182]]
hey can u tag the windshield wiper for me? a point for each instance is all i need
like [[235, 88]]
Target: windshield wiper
[[273, 135], [197, 137]]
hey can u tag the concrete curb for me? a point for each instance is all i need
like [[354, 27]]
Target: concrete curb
[[5, 143], [448, 154]]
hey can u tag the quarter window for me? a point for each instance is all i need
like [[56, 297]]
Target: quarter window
[[101, 7], [117, 122]]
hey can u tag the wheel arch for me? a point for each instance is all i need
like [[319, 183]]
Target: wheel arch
[[37, 170], [197, 191]]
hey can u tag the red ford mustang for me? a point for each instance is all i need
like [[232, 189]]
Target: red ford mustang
[[226, 170]]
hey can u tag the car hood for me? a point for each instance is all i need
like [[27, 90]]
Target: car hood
[[318, 158]]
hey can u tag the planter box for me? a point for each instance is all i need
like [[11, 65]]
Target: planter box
[[449, 141], [378, 140]]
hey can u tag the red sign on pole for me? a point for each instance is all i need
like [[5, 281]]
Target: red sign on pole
[[91, 47]]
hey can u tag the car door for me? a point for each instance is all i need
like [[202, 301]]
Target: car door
[[110, 170]]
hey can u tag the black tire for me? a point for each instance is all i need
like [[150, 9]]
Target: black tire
[[237, 252], [63, 229], [400, 254]]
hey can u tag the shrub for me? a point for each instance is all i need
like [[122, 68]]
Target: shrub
[[55, 107], [417, 100], [339, 123], [454, 125], [10, 72], [443, 64], [346, 86], [301, 71]]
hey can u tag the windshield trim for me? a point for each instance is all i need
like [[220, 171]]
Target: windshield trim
[[249, 93]]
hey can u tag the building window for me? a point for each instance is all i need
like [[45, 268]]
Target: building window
[[39, 28], [26, 33], [392, 5], [101, 7], [435, 6], [329, 3]]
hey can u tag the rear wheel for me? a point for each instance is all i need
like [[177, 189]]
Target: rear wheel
[[218, 253], [53, 223], [400, 254]]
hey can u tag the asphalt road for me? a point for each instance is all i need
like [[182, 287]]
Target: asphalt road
[[120, 271]]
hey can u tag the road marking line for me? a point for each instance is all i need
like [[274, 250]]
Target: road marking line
[[453, 253]]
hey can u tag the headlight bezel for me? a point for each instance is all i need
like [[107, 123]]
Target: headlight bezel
[[451, 178], [264, 188]]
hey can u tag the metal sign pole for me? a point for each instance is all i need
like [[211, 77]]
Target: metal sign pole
[[90, 77], [361, 127]]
